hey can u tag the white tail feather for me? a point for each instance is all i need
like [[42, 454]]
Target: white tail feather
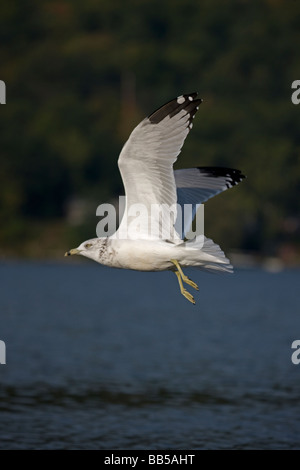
[[203, 253]]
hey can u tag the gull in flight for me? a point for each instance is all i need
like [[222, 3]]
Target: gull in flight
[[146, 165]]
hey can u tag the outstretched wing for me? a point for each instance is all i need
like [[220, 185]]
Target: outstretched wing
[[197, 185], [146, 166]]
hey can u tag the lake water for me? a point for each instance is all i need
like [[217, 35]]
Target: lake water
[[98, 358]]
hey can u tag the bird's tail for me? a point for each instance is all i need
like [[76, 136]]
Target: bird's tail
[[203, 253]]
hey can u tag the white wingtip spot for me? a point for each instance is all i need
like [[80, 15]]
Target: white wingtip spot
[[180, 99], [190, 98], [190, 126]]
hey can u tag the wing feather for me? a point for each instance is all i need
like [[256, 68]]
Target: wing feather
[[146, 165], [197, 185]]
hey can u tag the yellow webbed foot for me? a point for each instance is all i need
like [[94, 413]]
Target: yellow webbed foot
[[188, 281], [184, 292], [185, 279]]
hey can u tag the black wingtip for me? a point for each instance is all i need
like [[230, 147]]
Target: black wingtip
[[232, 176], [187, 102]]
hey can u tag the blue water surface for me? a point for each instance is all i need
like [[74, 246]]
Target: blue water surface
[[98, 358]]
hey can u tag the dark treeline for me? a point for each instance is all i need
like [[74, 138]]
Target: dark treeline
[[79, 77]]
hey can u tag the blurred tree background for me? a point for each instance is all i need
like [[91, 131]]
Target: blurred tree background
[[81, 75]]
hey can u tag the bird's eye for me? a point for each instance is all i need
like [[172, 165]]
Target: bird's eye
[[88, 245]]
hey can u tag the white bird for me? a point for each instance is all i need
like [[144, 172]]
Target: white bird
[[146, 166]]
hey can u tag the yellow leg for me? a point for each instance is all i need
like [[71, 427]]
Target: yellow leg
[[184, 292], [183, 276]]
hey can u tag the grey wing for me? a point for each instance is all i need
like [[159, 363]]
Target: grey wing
[[147, 158], [194, 186]]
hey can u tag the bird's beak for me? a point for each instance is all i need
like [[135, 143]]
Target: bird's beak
[[74, 251]]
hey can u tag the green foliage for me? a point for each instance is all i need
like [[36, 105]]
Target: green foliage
[[80, 76]]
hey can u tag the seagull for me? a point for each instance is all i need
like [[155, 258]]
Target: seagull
[[146, 166]]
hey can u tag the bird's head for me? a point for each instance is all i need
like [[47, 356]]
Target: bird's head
[[89, 248]]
